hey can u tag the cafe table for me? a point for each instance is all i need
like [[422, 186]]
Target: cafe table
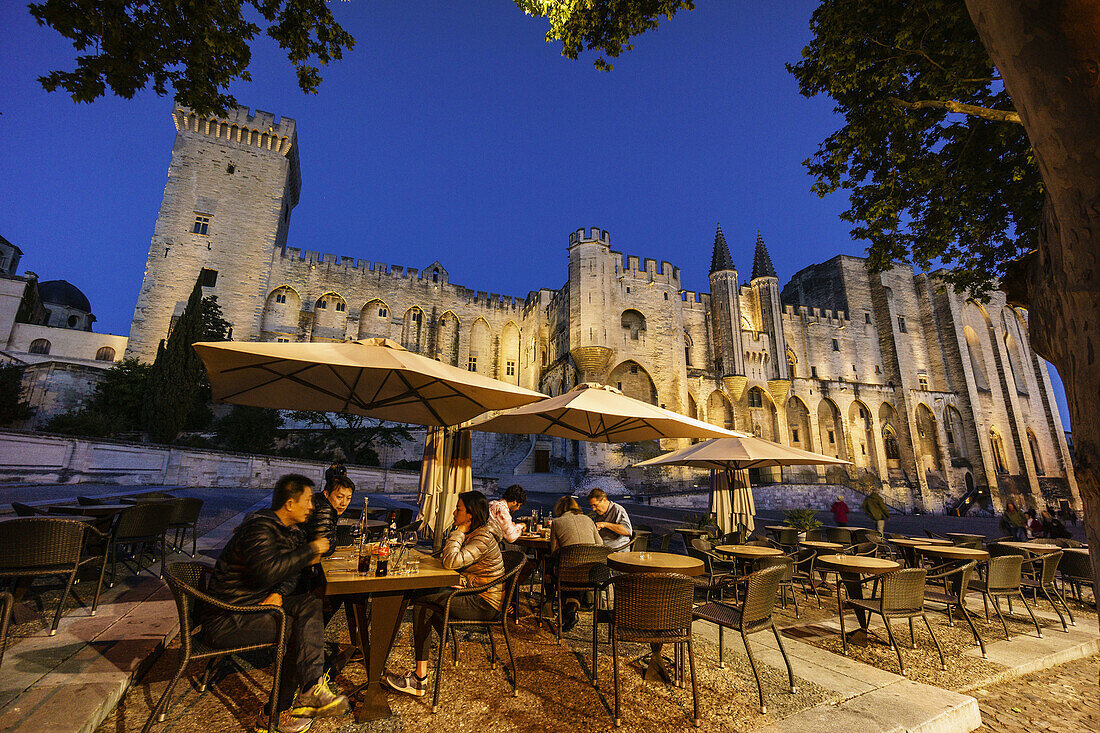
[[655, 562], [821, 545], [748, 552], [906, 545], [1031, 547], [90, 510], [964, 536], [388, 598], [853, 569]]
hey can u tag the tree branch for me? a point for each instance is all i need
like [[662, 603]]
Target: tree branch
[[996, 115]]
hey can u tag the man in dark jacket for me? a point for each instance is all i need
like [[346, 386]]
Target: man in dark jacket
[[262, 564]]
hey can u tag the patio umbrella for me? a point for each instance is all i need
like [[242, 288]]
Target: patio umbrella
[[600, 414], [445, 473], [734, 506], [736, 454], [373, 377]]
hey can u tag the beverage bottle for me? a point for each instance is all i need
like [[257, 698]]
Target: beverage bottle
[[383, 567], [364, 557]]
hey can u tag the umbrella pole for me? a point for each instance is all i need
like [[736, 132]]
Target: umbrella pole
[[733, 514]]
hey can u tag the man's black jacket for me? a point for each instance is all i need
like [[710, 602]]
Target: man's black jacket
[[263, 556], [322, 522]]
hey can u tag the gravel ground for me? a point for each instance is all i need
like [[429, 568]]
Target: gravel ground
[[553, 692], [1064, 698]]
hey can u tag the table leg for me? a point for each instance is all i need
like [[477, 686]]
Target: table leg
[[377, 632], [861, 636], [656, 671]]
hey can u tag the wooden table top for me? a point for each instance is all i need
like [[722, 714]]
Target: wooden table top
[[821, 545], [965, 535], [692, 530], [342, 578], [1036, 547], [1076, 550], [93, 510], [912, 542], [534, 541], [749, 550], [71, 517], [951, 552], [857, 564], [655, 562], [777, 527]]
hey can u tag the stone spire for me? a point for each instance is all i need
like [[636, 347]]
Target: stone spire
[[721, 259], [761, 261]]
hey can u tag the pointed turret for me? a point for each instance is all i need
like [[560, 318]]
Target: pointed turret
[[721, 260], [761, 261]]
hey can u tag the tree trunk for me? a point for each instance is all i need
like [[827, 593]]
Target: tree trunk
[[1048, 53]]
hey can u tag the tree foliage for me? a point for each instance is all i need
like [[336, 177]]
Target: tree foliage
[[355, 435], [937, 166], [12, 405], [249, 429], [196, 48], [114, 407]]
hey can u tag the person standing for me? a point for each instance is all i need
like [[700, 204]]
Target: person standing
[[611, 520], [840, 511], [503, 509], [874, 506], [262, 564], [1014, 523]]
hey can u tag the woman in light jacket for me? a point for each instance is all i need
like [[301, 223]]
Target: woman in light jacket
[[472, 548]]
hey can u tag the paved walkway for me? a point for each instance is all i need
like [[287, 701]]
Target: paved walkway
[[1066, 698]]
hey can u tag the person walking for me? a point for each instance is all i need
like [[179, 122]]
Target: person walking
[[874, 506], [1014, 523], [262, 564], [840, 511]]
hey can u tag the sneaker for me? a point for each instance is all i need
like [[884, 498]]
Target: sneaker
[[288, 723], [320, 701], [409, 684], [570, 616]]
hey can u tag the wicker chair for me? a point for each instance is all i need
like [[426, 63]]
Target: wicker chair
[[37, 546], [803, 572], [514, 561], [755, 614], [185, 516], [89, 501], [1039, 575], [1076, 572], [816, 535], [581, 569], [864, 534], [1002, 580], [26, 510], [185, 579], [715, 569], [864, 549], [6, 603], [955, 584], [137, 526], [901, 596], [653, 608], [787, 539], [786, 582], [842, 535]]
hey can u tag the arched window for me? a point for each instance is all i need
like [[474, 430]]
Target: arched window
[[998, 452], [890, 445], [633, 321], [40, 346], [1036, 454], [105, 353]]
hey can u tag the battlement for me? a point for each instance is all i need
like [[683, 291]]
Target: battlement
[[646, 268], [260, 130], [695, 301], [596, 235], [805, 313]]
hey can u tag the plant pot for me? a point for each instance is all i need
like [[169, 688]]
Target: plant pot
[[802, 536]]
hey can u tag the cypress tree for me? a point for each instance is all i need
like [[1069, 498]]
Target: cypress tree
[[177, 376]]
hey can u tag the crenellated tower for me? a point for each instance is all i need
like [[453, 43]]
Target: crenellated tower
[[725, 313], [232, 183], [765, 285], [590, 271]]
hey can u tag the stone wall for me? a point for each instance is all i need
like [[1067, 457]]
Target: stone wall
[[50, 459]]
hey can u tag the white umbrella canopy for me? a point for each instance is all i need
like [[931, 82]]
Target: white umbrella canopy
[[741, 452], [733, 505], [372, 377], [600, 414]]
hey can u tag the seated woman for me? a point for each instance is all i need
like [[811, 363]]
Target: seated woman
[[474, 547], [570, 527]]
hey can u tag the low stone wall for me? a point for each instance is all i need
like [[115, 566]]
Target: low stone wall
[[819, 497], [55, 459]]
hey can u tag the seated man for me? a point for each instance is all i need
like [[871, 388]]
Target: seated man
[[262, 564], [611, 519], [503, 509]]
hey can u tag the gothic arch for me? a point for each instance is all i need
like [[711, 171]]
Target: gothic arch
[[861, 422], [414, 329], [798, 423], [977, 358], [281, 313], [1015, 361], [687, 349], [509, 353], [762, 419], [719, 410], [374, 319], [1000, 458], [632, 322], [481, 348], [447, 345], [792, 361], [888, 418], [692, 407], [928, 438], [1036, 453], [634, 381], [956, 437], [330, 317], [831, 428]]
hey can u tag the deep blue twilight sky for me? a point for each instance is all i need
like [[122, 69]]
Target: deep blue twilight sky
[[454, 132]]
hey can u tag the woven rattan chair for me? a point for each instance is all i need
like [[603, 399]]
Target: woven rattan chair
[[1076, 572], [185, 516], [901, 595], [786, 582], [815, 535], [514, 562], [755, 614], [842, 535], [787, 539], [1039, 575], [652, 608], [25, 510], [864, 534], [581, 569], [6, 603], [864, 549], [715, 569], [955, 583], [1002, 580], [185, 580], [138, 526], [36, 546], [803, 573]]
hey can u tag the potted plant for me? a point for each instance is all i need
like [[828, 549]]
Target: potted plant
[[802, 520]]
